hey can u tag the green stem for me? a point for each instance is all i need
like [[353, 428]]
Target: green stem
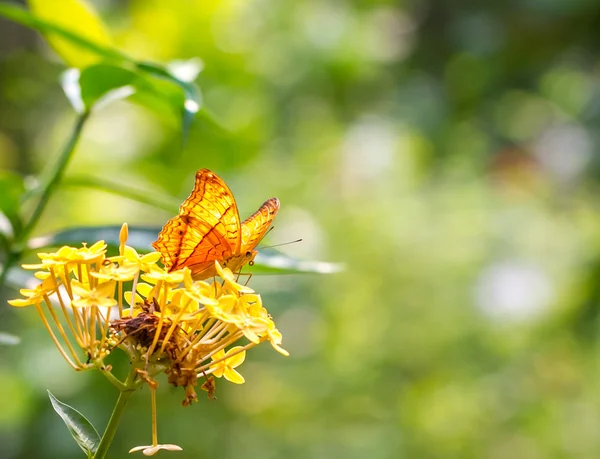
[[54, 176], [112, 378], [50, 185], [115, 417], [8, 262]]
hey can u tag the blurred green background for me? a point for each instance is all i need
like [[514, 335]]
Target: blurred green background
[[446, 152]]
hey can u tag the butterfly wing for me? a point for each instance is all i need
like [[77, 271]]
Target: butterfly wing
[[256, 226], [206, 229]]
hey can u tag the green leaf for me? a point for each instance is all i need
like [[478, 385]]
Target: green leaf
[[97, 85], [80, 18], [170, 205], [24, 17], [274, 262], [192, 96], [268, 261], [191, 100], [81, 429], [139, 238], [12, 189], [6, 339], [104, 82]]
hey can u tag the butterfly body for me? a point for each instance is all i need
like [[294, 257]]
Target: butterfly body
[[208, 229]]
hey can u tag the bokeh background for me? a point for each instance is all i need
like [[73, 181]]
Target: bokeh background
[[445, 152]]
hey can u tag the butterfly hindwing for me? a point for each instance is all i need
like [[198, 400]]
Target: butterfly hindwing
[[256, 226]]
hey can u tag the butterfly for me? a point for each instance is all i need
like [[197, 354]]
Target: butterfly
[[208, 228]]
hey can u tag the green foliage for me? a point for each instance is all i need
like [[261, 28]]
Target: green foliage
[[6, 339], [96, 82], [444, 152], [82, 430], [11, 191]]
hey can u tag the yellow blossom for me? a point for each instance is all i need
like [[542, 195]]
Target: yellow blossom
[[91, 254], [224, 309], [123, 273], [145, 262], [156, 274], [226, 362], [36, 295], [99, 296], [199, 291], [175, 325], [229, 278]]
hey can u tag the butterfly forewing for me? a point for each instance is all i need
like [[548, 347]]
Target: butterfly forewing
[[206, 229]]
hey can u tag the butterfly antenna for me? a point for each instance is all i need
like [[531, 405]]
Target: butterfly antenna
[[278, 245]]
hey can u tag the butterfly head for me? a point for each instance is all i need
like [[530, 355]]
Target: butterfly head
[[235, 262]]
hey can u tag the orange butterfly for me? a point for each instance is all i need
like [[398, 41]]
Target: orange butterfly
[[208, 228]]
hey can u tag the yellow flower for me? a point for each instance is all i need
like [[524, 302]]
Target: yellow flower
[[62, 256], [226, 362], [145, 262], [229, 279], [224, 309], [199, 291], [175, 325], [275, 339], [90, 254], [123, 273], [156, 274], [36, 295], [99, 296]]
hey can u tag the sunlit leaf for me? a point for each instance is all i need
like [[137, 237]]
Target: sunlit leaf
[[81, 429], [273, 262], [186, 70], [80, 18], [70, 83], [189, 101], [6, 339], [97, 85], [119, 189], [24, 17], [192, 97], [267, 261], [139, 238], [103, 82]]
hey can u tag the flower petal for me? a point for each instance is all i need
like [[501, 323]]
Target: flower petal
[[233, 376], [237, 359]]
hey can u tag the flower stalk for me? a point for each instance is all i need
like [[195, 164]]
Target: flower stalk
[[50, 184]]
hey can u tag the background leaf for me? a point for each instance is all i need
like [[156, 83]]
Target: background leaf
[[81, 429], [80, 18], [171, 205], [192, 97], [97, 85], [268, 261], [12, 189], [26, 18], [84, 50], [6, 339]]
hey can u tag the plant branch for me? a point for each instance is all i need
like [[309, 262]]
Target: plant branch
[[109, 434], [54, 176]]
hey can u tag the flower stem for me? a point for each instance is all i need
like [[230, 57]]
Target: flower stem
[[54, 176], [51, 182], [115, 417]]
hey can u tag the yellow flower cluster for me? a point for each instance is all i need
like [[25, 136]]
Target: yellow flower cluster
[[166, 321]]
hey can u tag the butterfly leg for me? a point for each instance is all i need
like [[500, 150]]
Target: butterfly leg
[[244, 274]]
